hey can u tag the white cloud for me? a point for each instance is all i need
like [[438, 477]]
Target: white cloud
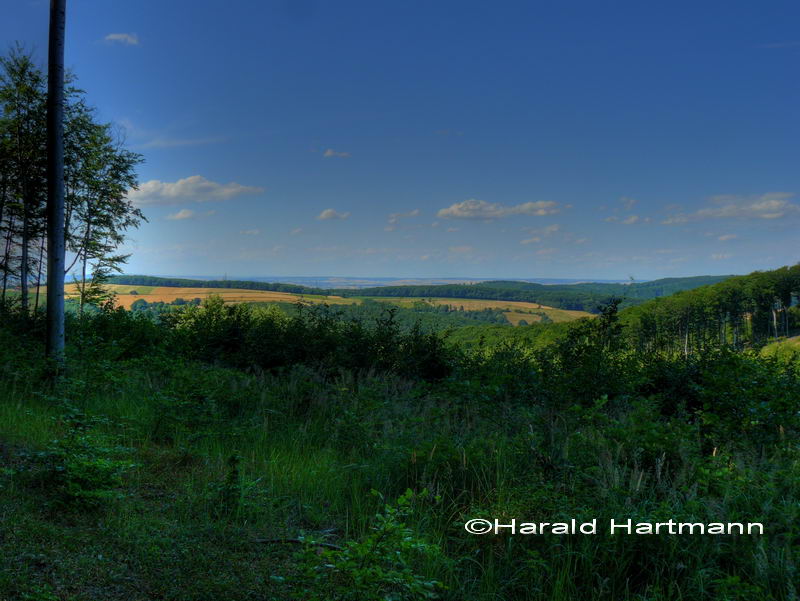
[[480, 209], [182, 214], [329, 214], [546, 251], [629, 220], [253, 232], [721, 256], [191, 189], [533, 240], [628, 203], [331, 153], [460, 249], [725, 237], [128, 39], [394, 219], [773, 205], [296, 231]]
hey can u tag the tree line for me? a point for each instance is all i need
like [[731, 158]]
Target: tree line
[[149, 280], [739, 312], [98, 172]]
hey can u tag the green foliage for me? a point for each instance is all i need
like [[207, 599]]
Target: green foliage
[[263, 338], [83, 469], [383, 566], [251, 424], [741, 312], [98, 173], [785, 351]]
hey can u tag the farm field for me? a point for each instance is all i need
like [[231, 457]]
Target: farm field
[[127, 295], [514, 311]]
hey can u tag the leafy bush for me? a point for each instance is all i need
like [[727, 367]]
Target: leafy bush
[[384, 566], [83, 469]]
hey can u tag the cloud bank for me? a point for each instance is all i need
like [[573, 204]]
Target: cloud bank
[[191, 189], [480, 209], [773, 205]]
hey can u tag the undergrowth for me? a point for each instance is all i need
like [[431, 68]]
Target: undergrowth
[[209, 456]]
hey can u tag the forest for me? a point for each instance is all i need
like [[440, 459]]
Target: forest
[[205, 450], [577, 297]]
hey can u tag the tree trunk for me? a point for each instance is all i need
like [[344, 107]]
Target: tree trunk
[[775, 320], [39, 274], [23, 269], [7, 256], [55, 183]]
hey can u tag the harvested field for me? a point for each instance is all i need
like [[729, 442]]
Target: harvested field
[[514, 310], [167, 294]]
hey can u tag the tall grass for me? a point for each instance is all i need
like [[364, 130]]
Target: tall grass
[[225, 457]]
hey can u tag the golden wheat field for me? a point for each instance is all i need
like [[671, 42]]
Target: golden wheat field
[[126, 295], [515, 311]]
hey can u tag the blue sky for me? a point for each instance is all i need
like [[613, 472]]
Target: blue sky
[[576, 139]]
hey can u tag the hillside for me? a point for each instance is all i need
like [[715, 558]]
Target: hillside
[[435, 313], [586, 297], [742, 312], [578, 297]]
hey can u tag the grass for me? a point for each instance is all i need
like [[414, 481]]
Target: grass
[[314, 443], [783, 349]]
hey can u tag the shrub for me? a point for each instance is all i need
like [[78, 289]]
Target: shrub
[[83, 469], [385, 565]]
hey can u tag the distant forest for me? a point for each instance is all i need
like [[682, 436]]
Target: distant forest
[[740, 312], [579, 297]]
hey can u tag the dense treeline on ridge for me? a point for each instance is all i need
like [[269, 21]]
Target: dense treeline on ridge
[[578, 297], [148, 280], [738, 312]]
